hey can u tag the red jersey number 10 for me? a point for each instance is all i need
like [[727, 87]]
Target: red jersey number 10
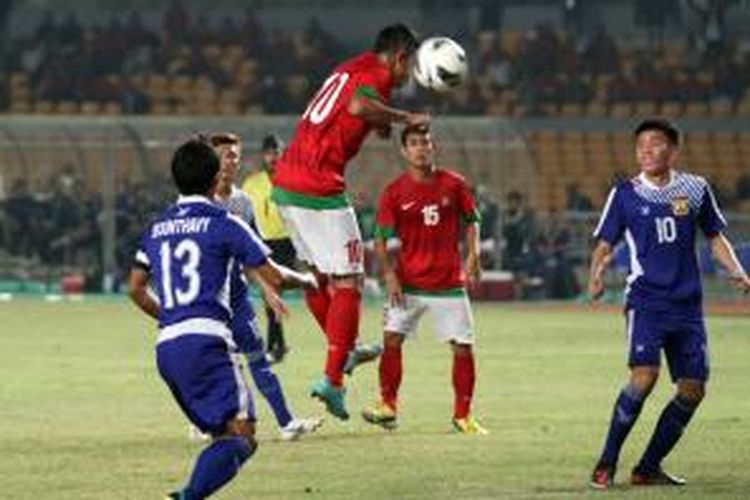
[[322, 104]]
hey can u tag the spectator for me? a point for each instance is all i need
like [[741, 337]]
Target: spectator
[[517, 232], [576, 200]]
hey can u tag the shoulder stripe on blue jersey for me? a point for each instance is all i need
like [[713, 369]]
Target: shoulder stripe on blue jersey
[[714, 204], [142, 258], [607, 207]]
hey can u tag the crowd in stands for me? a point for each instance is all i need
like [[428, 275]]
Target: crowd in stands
[[60, 228], [199, 64]]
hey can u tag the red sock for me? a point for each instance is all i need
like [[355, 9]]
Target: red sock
[[390, 374], [463, 383], [319, 301], [342, 328]]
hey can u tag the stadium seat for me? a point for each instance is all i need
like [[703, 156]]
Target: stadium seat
[[721, 108], [621, 110], [67, 107], [44, 107], [20, 106], [672, 109], [90, 108], [644, 109], [696, 110], [743, 108]]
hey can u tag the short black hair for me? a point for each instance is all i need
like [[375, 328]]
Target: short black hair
[[662, 125], [396, 37], [194, 167], [420, 129], [272, 142]]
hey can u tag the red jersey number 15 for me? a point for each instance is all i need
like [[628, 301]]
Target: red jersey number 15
[[322, 104]]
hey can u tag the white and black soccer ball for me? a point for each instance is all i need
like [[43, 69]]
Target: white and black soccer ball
[[440, 64]]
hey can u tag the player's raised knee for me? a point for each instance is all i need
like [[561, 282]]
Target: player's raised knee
[[692, 391]]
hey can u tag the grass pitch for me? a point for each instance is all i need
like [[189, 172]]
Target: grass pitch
[[83, 414]]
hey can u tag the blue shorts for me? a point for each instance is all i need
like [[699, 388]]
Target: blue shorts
[[683, 339], [245, 331], [205, 380]]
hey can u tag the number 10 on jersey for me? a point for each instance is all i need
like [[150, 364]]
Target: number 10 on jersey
[[666, 229]]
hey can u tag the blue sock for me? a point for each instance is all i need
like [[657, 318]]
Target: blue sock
[[672, 422], [627, 408], [216, 466], [268, 384]]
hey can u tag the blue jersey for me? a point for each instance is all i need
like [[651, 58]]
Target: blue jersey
[[190, 252], [660, 227]]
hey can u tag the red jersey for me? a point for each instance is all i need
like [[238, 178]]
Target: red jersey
[[328, 136], [426, 217]]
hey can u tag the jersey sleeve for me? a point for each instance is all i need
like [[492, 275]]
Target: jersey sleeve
[[141, 259], [611, 224], [372, 85], [710, 218], [466, 203], [385, 220], [245, 244]]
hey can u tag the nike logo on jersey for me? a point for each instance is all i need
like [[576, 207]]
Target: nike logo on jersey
[[407, 206], [182, 212]]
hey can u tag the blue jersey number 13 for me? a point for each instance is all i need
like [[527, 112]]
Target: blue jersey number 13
[[187, 253]]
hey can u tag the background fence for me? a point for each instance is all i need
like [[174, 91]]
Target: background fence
[[76, 191]]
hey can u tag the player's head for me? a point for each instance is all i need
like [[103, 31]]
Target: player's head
[[657, 143], [195, 168], [417, 146], [396, 45], [229, 148], [270, 150]]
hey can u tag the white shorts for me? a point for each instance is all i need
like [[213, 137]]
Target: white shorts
[[451, 317], [329, 239]]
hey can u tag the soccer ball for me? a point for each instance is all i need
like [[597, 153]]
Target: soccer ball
[[440, 64]]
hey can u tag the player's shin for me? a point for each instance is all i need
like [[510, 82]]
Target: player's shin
[[390, 371], [669, 428], [463, 381], [218, 464], [342, 327], [269, 386], [626, 411]]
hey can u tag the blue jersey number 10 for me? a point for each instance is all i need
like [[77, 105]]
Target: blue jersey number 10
[[187, 253], [666, 229]]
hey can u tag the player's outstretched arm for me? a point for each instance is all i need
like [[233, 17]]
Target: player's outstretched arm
[[269, 280], [600, 259], [289, 277], [724, 253], [392, 284], [381, 115], [140, 294]]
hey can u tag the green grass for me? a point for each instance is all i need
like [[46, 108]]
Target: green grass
[[83, 414]]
